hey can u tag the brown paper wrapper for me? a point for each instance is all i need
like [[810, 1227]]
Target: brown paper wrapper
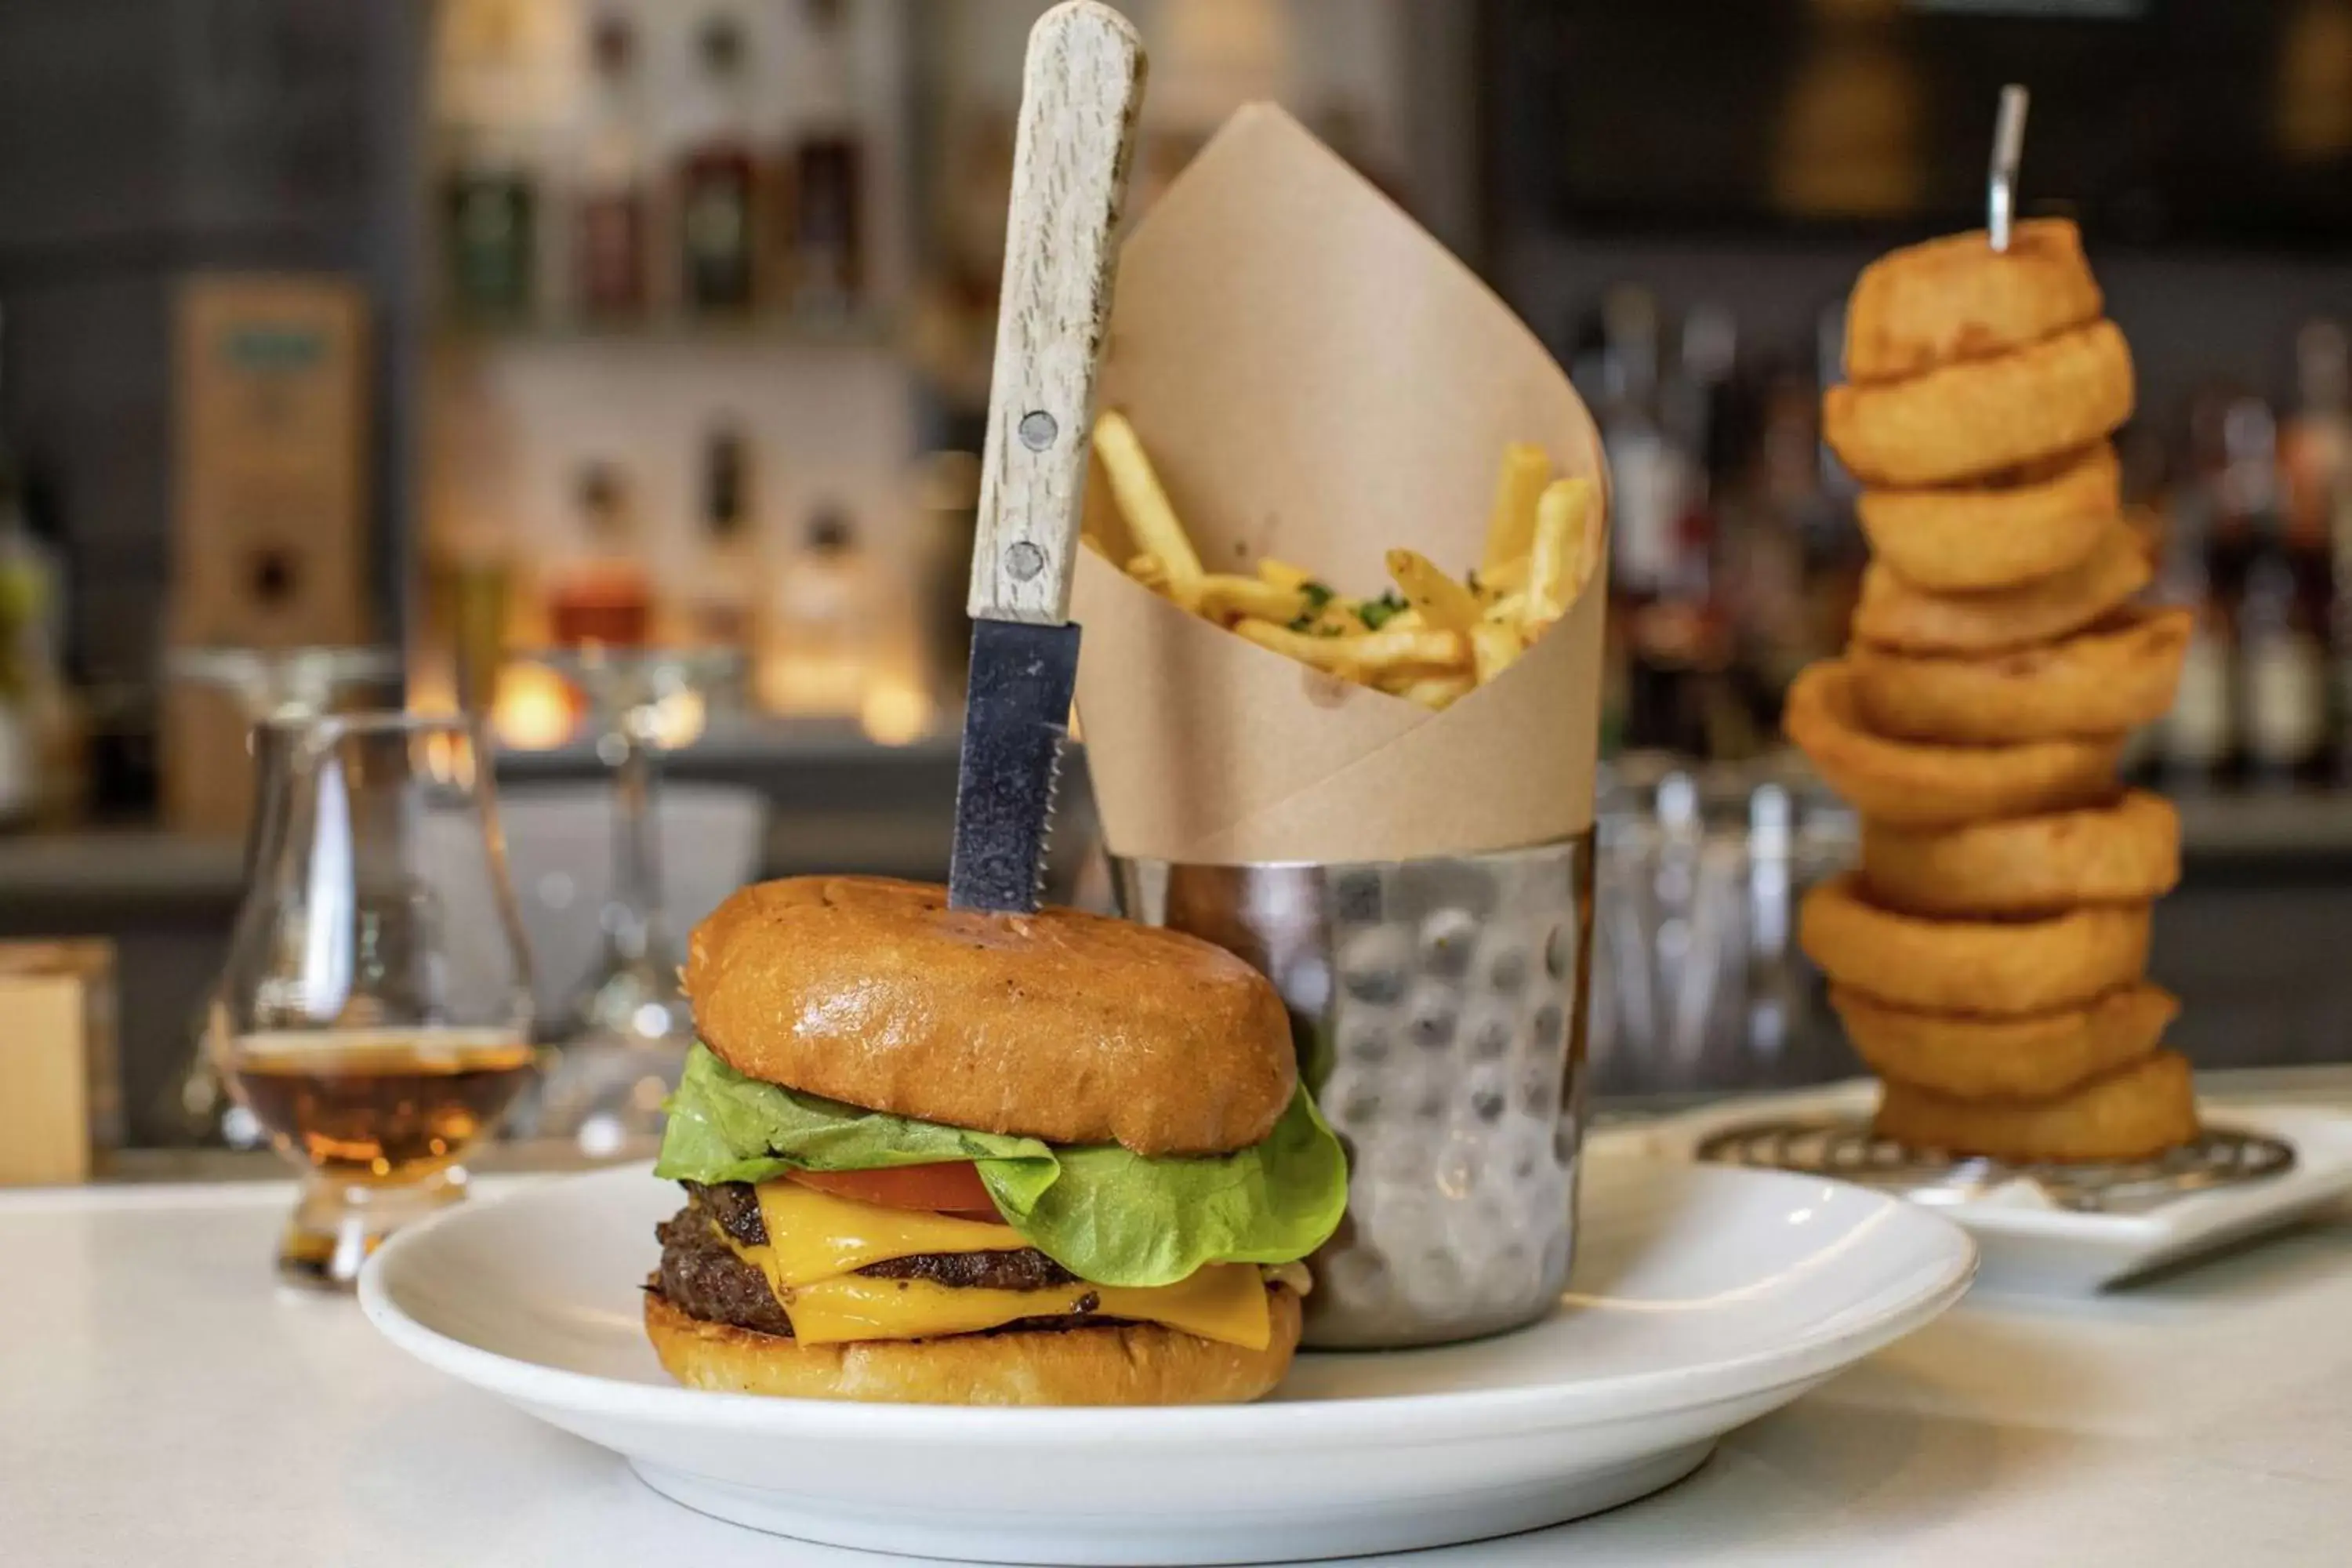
[[1317, 379]]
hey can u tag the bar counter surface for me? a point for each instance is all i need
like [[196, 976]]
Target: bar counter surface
[[160, 1399]]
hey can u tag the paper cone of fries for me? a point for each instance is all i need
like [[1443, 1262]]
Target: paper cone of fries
[[1317, 380]]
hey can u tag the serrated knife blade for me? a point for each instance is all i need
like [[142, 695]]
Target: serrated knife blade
[[1016, 716]]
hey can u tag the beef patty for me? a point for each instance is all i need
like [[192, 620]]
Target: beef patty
[[701, 1276]]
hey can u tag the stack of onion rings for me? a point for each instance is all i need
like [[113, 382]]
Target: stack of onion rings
[[2141, 1110], [2037, 1057], [2126, 853], [1895, 614], [2107, 680], [1988, 959], [1997, 969]]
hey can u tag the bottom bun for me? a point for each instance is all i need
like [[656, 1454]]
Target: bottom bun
[[1128, 1364], [2129, 1115]]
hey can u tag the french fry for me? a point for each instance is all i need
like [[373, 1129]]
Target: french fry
[[1561, 554], [1493, 649], [1511, 520], [1362, 657], [1443, 602], [1147, 570], [1502, 580], [1438, 691], [1509, 610], [1144, 503], [1226, 598], [1283, 574]]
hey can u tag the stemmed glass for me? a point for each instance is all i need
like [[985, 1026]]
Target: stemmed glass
[[623, 1040], [375, 1012]]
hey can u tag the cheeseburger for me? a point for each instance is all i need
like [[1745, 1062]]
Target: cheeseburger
[[954, 1157]]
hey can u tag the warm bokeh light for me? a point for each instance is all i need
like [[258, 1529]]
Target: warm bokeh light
[[680, 720], [896, 713], [536, 710]]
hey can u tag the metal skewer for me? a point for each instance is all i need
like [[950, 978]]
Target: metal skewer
[[2000, 180]]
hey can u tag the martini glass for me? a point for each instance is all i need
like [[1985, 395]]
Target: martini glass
[[617, 1048]]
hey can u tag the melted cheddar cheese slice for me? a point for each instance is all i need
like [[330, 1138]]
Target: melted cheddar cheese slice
[[813, 1235], [816, 1242], [1223, 1301]]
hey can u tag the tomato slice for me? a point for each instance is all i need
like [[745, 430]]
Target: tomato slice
[[953, 1187]]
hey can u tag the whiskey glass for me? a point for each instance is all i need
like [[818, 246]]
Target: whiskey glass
[[374, 1015]]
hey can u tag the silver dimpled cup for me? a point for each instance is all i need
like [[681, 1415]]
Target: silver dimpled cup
[[1439, 1008]]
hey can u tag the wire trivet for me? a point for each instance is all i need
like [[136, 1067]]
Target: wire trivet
[[1851, 1151]]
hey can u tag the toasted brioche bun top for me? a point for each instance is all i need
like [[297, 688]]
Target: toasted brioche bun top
[[1071, 1028]]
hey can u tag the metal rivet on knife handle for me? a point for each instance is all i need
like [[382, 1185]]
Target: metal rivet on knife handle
[[1080, 93]]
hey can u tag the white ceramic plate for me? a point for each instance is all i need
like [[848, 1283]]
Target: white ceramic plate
[[1702, 1298], [2030, 1246]]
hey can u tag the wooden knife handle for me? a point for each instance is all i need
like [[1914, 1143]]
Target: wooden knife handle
[[1080, 92]]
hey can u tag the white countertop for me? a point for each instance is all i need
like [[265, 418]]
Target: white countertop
[[162, 1401]]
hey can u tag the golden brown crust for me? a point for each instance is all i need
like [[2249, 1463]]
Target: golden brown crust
[[1130, 1364], [2126, 853], [1966, 420], [2132, 1114], [1997, 969], [1067, 1027], [1921, 785], [2035, 1057], [1894, 615], [2107, 680], [1958, 299], [2024, 525]]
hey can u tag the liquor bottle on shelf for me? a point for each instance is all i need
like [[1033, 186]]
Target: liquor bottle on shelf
[[2315, 455], [825, 228], [609, 219], [490, 228], [2281, 663], [2280, 675], [604, 596], [718, 182], [818, 639], [722, 605], [1649, 477], [39, 762], [2192, 740]]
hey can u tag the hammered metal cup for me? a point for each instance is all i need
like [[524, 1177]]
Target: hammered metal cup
[[1439, 1009]]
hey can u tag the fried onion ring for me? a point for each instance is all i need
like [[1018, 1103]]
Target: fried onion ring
[[2141, 1111], [2035, 1058], [1894, 615], [2034, 521], [1976, 417], [2128, 853], [1958, 299], [1994, 969], [1916, 786], [2108, 680]]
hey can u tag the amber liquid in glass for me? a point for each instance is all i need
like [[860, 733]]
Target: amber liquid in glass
[[370, 1105]]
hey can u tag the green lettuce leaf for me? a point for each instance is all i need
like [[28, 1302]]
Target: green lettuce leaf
[[1105, 1214]]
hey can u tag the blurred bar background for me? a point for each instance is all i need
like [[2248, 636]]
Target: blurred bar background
[[479, 329]]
